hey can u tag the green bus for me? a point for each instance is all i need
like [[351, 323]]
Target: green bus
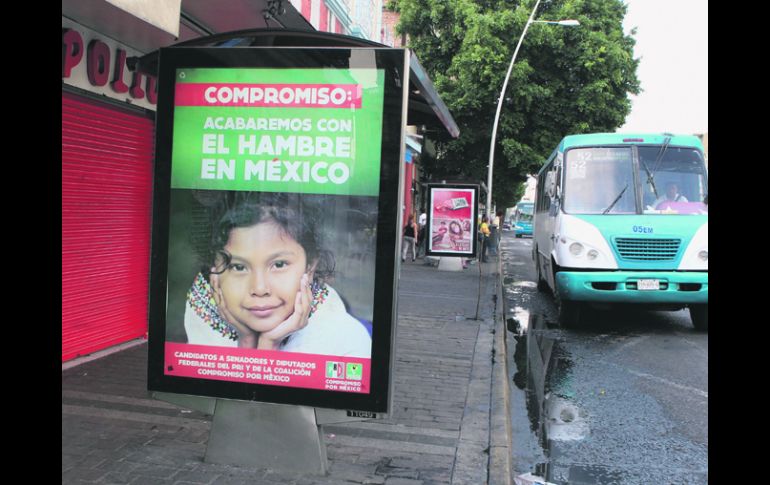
[[624, 219], [522, 218]]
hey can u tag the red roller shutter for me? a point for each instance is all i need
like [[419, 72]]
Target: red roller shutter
[[107, 155]]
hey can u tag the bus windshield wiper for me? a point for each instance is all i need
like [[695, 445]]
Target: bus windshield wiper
[[659, 157], [650, 178], [616, 200]]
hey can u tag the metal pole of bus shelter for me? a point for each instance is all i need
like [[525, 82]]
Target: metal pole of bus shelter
[[567, 23]]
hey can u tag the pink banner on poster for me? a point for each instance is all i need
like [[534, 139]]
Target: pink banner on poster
[[455, 203], [452, 220], [269, 95], [270, 367]]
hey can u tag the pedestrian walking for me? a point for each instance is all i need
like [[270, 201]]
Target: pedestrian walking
[[422, 224], [410, 238], [484, 238]]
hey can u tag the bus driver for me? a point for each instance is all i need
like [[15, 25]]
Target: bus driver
[[672, 195]]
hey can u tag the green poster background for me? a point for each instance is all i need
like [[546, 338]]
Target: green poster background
[[350, 166]]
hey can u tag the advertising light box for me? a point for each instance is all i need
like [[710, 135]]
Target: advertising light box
[[274, 232], [452, 220]]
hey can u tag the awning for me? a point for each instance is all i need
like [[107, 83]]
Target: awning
[[170, 21], [425, 105]]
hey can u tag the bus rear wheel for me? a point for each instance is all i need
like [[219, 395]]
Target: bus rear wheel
[[699, 314]]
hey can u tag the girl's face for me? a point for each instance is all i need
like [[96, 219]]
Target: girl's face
[[260, 284]]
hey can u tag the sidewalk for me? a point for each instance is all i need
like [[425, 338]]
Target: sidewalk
[[449, 422]]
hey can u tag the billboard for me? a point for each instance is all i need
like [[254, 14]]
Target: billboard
[[274, 236], [452, 214]]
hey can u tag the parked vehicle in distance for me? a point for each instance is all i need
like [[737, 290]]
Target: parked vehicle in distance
[[624, 219], [522, 218]]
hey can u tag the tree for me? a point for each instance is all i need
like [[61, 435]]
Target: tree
[[566, 80]]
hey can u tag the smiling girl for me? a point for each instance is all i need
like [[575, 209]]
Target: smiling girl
[[266, 286]]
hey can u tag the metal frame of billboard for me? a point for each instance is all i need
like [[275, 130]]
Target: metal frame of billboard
[[395, 63], [432, 212]]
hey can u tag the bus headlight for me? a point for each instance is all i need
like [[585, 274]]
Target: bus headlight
[[576, 249], [703, 255], [579, 244]]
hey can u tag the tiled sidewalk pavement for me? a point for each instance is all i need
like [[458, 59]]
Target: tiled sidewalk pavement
[[438, 431]]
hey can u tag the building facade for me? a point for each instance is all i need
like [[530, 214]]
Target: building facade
[[389, 35], [357, 18]]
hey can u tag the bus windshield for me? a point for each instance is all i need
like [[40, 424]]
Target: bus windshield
[[524, 212], [621, 180], [673, 180], [599, 181]]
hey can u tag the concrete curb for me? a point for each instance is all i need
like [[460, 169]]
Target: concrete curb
[[500, 471], [102, 353], [475, 432]]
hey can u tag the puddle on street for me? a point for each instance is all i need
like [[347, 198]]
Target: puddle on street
[[544, 373], [587, 475]]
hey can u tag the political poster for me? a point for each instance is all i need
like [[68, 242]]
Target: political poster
[[274, 201]]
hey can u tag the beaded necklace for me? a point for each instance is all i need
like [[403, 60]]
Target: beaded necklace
[[201, 299], [320, 292]]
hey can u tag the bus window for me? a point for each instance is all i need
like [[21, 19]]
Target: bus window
[[673, 180], [599, 181]]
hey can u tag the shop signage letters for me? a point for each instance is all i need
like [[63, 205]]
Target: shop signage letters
[[103, 66]]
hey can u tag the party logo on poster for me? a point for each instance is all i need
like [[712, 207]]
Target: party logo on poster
[[335, 370], [355, 371]]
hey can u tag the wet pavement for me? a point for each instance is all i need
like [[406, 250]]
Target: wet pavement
[[623, 399]]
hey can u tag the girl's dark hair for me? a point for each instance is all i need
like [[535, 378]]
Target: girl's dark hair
[[297, 216]]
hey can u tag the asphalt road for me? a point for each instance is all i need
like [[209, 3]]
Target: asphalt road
[[621, 400]]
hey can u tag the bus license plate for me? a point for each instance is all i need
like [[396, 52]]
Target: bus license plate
[[648, 284]]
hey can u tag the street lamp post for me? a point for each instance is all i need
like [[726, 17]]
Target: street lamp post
[[568, 23]]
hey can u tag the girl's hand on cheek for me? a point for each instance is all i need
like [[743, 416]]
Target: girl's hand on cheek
[[297, 320], [247, 338]]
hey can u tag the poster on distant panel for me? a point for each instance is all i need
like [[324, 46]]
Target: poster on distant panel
[[452, 220]]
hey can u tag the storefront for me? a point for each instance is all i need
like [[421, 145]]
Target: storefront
[[107, 153], [411, 184]]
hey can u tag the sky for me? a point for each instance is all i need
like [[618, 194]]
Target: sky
[[672, 41]]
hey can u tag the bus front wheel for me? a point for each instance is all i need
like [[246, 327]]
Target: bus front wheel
[[699, 314]]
